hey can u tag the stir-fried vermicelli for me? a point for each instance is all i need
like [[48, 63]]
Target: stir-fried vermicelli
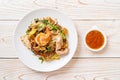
[[46, 38]]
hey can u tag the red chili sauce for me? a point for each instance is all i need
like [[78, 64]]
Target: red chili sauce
[[95, 39]]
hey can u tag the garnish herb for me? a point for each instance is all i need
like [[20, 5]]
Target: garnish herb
[[42, 60]]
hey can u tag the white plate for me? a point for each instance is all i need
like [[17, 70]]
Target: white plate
[[28, 57]]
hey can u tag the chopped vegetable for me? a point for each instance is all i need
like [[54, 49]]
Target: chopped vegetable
[[48, 49], [53, 27], [55, 57], [42, 25], [42, 60], [45, 21], [33, 31]]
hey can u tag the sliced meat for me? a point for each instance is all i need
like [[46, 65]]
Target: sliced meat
[[59, 44], [26, 41]]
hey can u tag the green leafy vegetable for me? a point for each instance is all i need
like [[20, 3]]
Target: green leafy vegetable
[[45, 21], [41, 25], [48, 49], [53, 27], [42, 60]]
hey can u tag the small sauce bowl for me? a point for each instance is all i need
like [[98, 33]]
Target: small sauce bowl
[[95, 40]]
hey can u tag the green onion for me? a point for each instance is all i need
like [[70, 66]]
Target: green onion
[[53, 27]]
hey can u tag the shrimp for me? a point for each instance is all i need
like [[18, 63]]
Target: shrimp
[[43, 38]]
